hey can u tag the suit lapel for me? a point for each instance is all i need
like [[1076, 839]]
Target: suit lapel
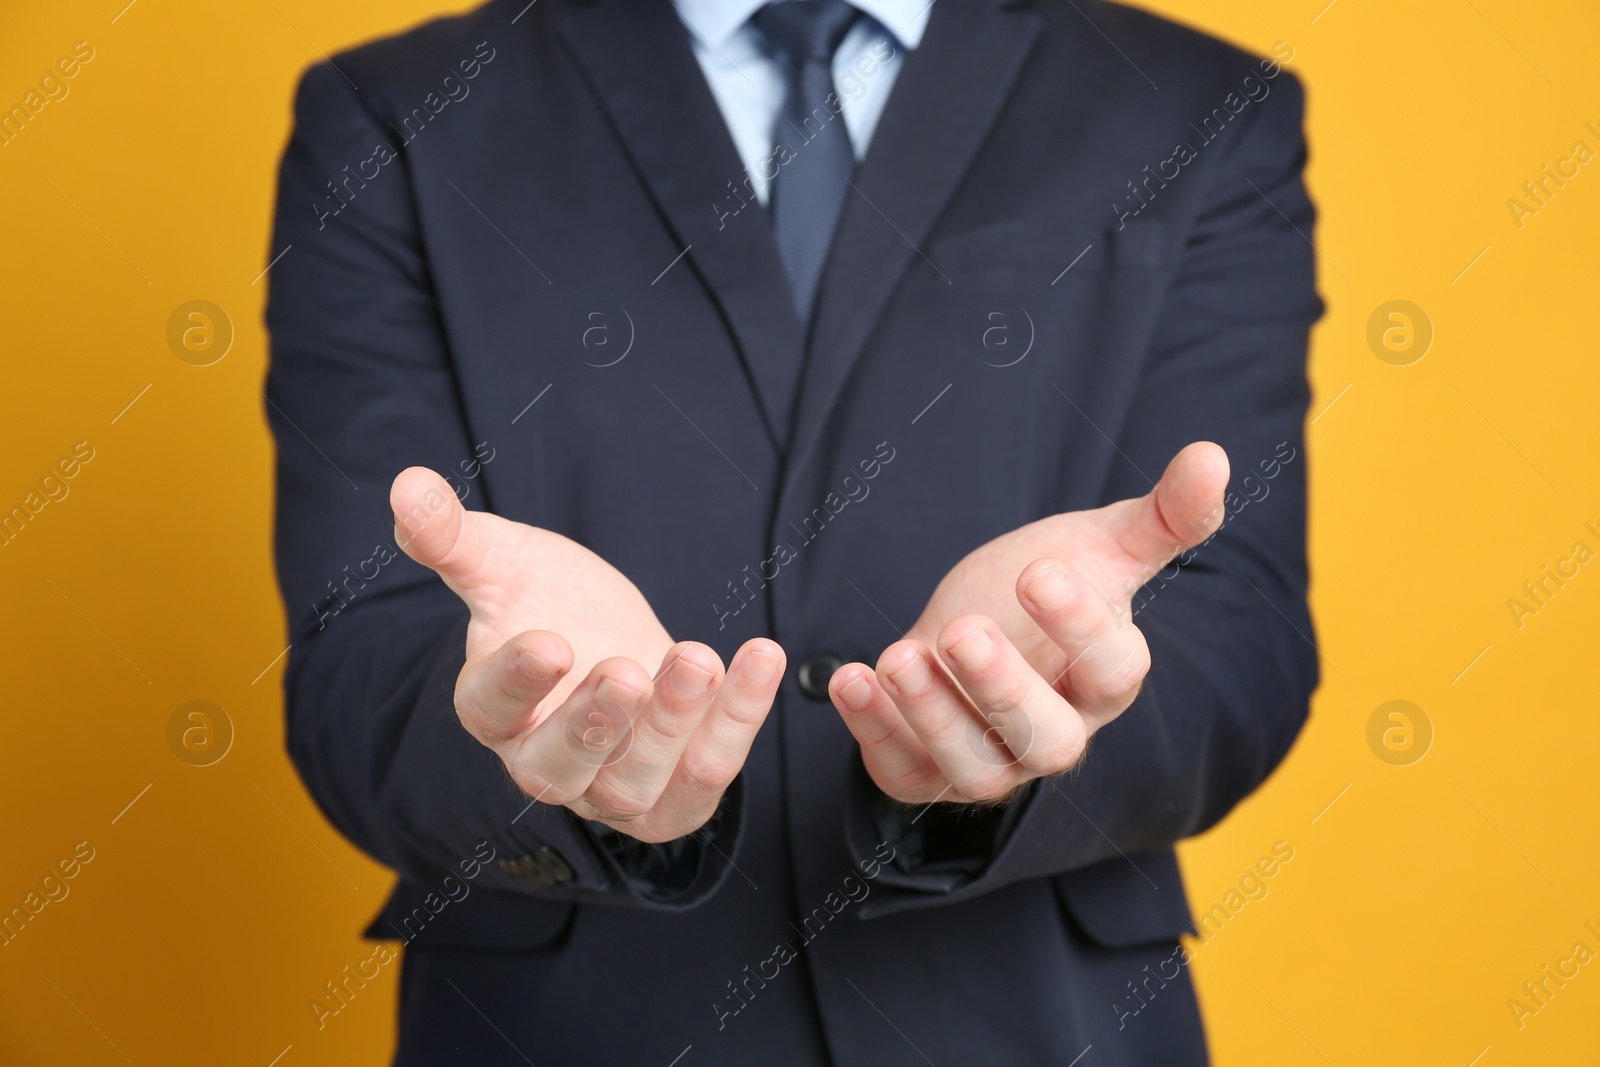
[[638, 58], [942, 106]]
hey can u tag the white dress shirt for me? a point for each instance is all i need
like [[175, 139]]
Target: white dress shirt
[[749, 77]]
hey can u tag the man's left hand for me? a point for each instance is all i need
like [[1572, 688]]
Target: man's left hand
[[1027, 646]]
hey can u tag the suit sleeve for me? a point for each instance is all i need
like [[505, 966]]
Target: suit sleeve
[[361, 386], [1230, 633]]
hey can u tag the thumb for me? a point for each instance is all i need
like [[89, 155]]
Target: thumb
[[1182, 510], [432, 527]]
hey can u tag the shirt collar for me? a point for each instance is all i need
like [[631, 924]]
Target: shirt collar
[[717, 20], [906, 19]]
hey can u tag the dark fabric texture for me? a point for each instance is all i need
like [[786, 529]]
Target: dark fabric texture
[[487, 274]]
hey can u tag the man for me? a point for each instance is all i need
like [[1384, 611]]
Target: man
[[780, 398]]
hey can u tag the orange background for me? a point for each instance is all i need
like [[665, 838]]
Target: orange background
[[1421, 894]]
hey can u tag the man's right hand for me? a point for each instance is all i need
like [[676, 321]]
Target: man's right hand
[[556, 679]]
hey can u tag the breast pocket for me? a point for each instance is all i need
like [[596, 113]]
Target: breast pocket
[[1054, 250]]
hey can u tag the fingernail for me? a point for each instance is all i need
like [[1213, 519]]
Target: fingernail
[[614, 694], [687, 681], [1049, 590], [761, 667], [913, 677], [897, 656], [974, 651], [856, 693]]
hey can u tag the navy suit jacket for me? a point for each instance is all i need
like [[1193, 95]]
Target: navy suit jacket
[[516, 247]]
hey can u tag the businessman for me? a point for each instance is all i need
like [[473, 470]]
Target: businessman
[[787, 512]]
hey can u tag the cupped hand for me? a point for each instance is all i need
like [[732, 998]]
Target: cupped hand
[[572, 680], [1027, 646]]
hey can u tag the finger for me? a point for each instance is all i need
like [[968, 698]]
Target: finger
[[948, 726], [717, 752], [1027, 717], [1106, 656], [1183, 509], [497, 695], [628, 787], [556, 762], [894, 755], [432, 527]]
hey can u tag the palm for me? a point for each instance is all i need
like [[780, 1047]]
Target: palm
[[1026, 646], [984, 582], [572, 680], [533, 579]]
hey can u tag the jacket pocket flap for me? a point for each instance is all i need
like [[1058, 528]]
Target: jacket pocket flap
[[1133, 901], [419, 916]]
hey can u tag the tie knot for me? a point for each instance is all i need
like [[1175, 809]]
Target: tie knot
[[807, 30]]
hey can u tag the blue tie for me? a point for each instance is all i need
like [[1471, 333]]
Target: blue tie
[[814, 174]]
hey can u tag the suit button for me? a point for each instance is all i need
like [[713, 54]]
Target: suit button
[[815, 672], [544, 869]]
